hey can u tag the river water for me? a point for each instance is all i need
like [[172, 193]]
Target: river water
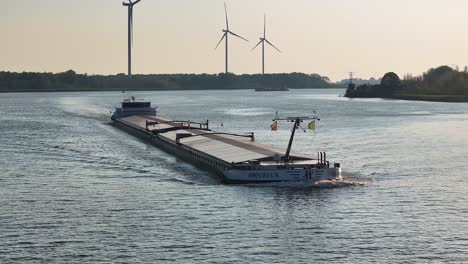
[[74, 189]]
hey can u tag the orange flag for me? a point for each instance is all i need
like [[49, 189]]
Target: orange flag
[[274, 126]]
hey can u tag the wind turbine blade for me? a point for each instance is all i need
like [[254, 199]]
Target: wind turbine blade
[[264, 26], [238, 36], [257, 45], [224, 35], [136, 2], [272, 45], [225, 12]]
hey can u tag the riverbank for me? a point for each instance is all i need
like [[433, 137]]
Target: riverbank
[[70, 81], [76, 90], [423, 97], [442, 84], [144, 90], [434, 98]]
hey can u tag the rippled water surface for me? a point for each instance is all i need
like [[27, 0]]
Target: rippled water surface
[[74, 189]]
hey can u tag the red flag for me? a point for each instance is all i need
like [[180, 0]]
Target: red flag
[[274, 126]]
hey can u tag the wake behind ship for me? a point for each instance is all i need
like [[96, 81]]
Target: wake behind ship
[[235, 158]]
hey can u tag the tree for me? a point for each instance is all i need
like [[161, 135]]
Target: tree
[[390, 83], [390, 79]]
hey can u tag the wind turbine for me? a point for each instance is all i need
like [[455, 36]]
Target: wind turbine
[[226, 33], [130, 33], [262, 41]]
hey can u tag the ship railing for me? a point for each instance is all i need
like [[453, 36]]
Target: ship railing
[[322, 159], [182, 124], [180, 136]]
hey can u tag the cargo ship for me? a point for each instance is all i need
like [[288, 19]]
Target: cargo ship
[[235, 158]]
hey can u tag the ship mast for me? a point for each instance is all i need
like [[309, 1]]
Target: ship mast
[[297, 122]]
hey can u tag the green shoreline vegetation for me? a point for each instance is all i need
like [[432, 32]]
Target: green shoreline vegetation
[[442, 84], [71, 81]]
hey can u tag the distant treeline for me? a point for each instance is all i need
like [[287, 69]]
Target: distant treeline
[[439, 84], [359, 81], [71, 81]]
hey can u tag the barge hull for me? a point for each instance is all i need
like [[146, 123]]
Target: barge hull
[[233, 158], [169, 147]]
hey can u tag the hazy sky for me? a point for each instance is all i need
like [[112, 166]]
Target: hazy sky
[[329, 37]]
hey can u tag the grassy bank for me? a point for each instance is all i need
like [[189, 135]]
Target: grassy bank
[[433, 98], [442, 84], [422, 97]]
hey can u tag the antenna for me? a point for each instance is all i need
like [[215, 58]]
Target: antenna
[[351, 85]]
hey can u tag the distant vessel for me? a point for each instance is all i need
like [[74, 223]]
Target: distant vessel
[[131, 107], [236, 158], [279, 89]]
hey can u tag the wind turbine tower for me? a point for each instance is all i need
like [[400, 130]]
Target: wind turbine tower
[[262, 41], [226, 33], [130, 33]]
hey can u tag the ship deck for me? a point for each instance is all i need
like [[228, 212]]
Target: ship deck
[[228, 148]]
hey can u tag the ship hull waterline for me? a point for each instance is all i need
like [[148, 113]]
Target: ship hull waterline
[[232, 175]]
